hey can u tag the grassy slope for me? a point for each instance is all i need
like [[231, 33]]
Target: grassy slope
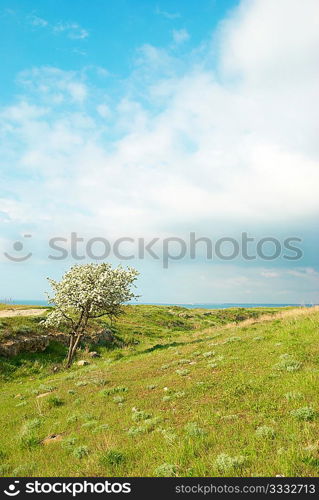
[[224, 381]]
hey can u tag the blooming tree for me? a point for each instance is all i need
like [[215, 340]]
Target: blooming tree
[[87, 292]]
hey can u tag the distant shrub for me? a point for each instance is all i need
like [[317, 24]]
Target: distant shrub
[[29, 441], [72, 419], [89, 425], [212, 365], [54, 401], [100, 382], [31, 424], [192, 429], [135, 430], [183, 362], [208, 354], [101, 428], [112, 458], [291, 396], [22, 330], [46, 388], [265, 432], [183, 373], [166, 470], [168, 435], [226, 463], [287, 363], [81, 452], [69, 443], [232, 339], [113, 390], [151, 387], [118, 399], [138, 415], [145, 426], [306, 413]]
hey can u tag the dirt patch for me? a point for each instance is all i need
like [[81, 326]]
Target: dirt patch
[[10, 313], [53, 438]]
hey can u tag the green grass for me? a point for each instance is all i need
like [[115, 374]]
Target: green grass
[[191, 399]]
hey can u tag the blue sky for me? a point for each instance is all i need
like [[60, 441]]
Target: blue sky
[[156, 119]]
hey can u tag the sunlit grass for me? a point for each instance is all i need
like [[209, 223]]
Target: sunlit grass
[[241, 407]]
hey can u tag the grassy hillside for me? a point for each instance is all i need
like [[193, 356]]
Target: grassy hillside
[[195, 397]]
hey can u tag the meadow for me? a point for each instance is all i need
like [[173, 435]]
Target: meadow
[[181, 393]]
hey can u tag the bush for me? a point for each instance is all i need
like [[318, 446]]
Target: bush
[[226, 463], [306, 413], [29, 441], [81, 452], [112, 458], [265, 432], [54, 401], [193, 430], [166, 470]]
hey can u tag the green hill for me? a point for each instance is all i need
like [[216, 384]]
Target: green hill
[[184, 393]]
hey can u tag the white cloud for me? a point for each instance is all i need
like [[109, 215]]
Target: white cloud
[[73, 30], [186, 145], [180, 36], [53, 85], [38, 21], [269, 274], [167, 15], [268, 42], [103, 110]]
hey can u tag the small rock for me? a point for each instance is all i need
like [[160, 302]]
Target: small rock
[[94, 354], [82, 362]]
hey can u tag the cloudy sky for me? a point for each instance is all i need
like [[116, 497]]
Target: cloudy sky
[[140, 119]]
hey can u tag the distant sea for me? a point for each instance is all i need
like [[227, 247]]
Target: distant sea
[[225, 305]]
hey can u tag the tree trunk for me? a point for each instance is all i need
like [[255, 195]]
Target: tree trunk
[[69, 358], [75, 339], [75, 346]]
